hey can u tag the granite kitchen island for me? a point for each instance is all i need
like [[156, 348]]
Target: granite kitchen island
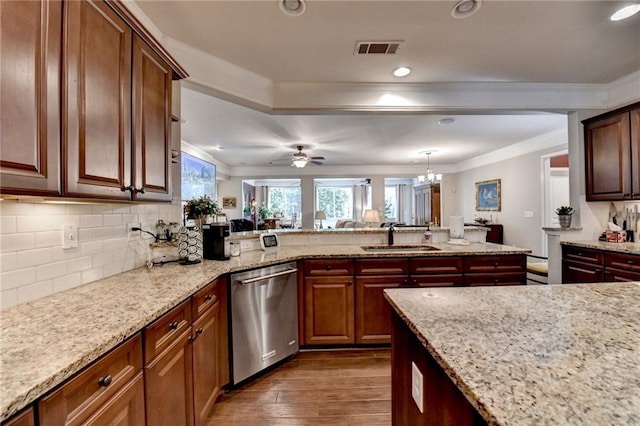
[[543, 355]]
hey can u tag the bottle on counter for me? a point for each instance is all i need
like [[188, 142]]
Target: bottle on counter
[[428, 235]]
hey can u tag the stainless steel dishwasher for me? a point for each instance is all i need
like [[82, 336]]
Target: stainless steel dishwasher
[[264, 318]]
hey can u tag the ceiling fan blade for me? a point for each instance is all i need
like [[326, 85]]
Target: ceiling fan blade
[[317, 158], [316, 162]]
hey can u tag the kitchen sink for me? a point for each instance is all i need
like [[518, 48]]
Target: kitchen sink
[[399, 248]]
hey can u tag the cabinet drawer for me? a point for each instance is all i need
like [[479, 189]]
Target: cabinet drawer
[[439, 280], [580, 272], [474, 280], [393, 266], [583, 254], [620, 275], [628, 262], [435, 265], [161, 333], [205, 298], [328, 267], [79, 398], [495, 263], [25, 418]]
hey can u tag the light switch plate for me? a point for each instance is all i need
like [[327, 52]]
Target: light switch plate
[[417, 389], [69, 236]]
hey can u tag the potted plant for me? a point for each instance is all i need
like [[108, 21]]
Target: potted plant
[[564, 216], [263, 212], [201, 207]]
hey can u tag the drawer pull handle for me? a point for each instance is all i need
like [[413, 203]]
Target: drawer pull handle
[[173, 325], [495, 264], [405, 281], [630, 262], [328, 267], [415, 281], [105, 381], [208, 297]]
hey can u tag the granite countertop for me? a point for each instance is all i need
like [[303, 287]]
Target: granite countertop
[[632, 248], [44, 342], [543, 355]]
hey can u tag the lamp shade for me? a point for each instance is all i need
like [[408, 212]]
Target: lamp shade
[[371, 216], [320, 215]]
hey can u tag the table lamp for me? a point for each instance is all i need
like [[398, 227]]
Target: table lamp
[[320, 216], [371, 216]]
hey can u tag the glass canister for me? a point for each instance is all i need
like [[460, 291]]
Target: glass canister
[[234, 248]]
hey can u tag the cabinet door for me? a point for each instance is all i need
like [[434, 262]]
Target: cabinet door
[[168, 383], [25, 418], [206, 359], [494, 264], [474, 280], [329, 310], [30, 33], [634, 117], [125, 408], [96, 132], [151, 124], [608, 159], [373, 312]]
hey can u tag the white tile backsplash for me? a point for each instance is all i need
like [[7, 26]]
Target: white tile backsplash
[[33, 263]]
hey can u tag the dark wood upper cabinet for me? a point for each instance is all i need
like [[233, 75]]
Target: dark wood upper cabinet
[[151, 123], [96, 102], [612, 155], [30, 34]]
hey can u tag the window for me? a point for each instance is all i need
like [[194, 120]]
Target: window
[[336, 202], [390, 203], [285, 201], [198, 177]]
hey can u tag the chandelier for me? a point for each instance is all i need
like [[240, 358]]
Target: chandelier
[[431, 177]]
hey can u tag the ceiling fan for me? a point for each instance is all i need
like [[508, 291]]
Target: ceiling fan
[[300, 159]]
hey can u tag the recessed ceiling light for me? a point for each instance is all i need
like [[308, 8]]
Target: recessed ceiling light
[[292, 7], [625, 12], [465, 8], [447, 120], [402, 71]]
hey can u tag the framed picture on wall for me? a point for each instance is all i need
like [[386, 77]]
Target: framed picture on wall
[[488, 195], [198, 177], [229, 202]]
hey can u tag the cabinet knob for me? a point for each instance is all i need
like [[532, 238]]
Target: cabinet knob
[[192, 337], [173, 325], [630, 262], [495, 281], [127, 188], [414, 281], [105, 381], [139, 191], [350, 283], [328, 267], [208, 297], [495, 264], [200, 330], [405, 281]]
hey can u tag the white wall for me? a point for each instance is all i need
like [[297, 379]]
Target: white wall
[[33, 263]]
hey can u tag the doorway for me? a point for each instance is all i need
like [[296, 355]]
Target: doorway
[[556, 190]]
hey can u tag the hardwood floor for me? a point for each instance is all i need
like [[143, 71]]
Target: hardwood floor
[[328, 387]]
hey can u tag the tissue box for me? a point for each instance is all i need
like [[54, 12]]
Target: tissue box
[[616, 236]]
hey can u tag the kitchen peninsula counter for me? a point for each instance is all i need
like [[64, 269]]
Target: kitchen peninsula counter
[[48, 340], [631, 248], [543, 355]]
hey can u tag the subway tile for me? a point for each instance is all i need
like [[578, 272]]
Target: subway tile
[[51, 270], [113, 268], [66, 282], [17, 242], [101, 259], [91, 275], [120, 243], [65, 254], [85, 235], [112, 219], [8, 298], [8, 225], [45, 209], [103, 233], [34, 257], [49, 238], [34, 223], [119, 255], [91, 247], [129, 218], [68, 219], [8, 261], [17, 278], [35, 291], [101, 209], [80, 264], [91, 221], [121, 209], [15, 208], [79, 209]]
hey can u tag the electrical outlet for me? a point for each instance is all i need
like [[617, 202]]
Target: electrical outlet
[[133, 235], [417, 390], [69, 236]]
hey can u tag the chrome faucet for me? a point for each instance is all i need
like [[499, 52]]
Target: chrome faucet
[[390, 234]]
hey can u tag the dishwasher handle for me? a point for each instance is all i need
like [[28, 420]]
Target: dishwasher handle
[[266, 277]]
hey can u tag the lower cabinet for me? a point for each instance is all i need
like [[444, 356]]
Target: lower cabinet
[[24, 418], [586, 265], [109, 391], [328, 310], [186, 364], [495, 270]]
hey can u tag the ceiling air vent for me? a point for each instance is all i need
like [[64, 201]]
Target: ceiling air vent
[[377, 47]]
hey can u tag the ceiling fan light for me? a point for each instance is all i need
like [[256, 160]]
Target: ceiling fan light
[[292, 7], [300, 162], [465, 8], [625, 12]]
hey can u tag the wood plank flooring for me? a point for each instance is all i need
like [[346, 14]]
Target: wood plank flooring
[[319, 387]]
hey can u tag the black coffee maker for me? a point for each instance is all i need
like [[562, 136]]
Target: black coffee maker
[[213, 237]]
